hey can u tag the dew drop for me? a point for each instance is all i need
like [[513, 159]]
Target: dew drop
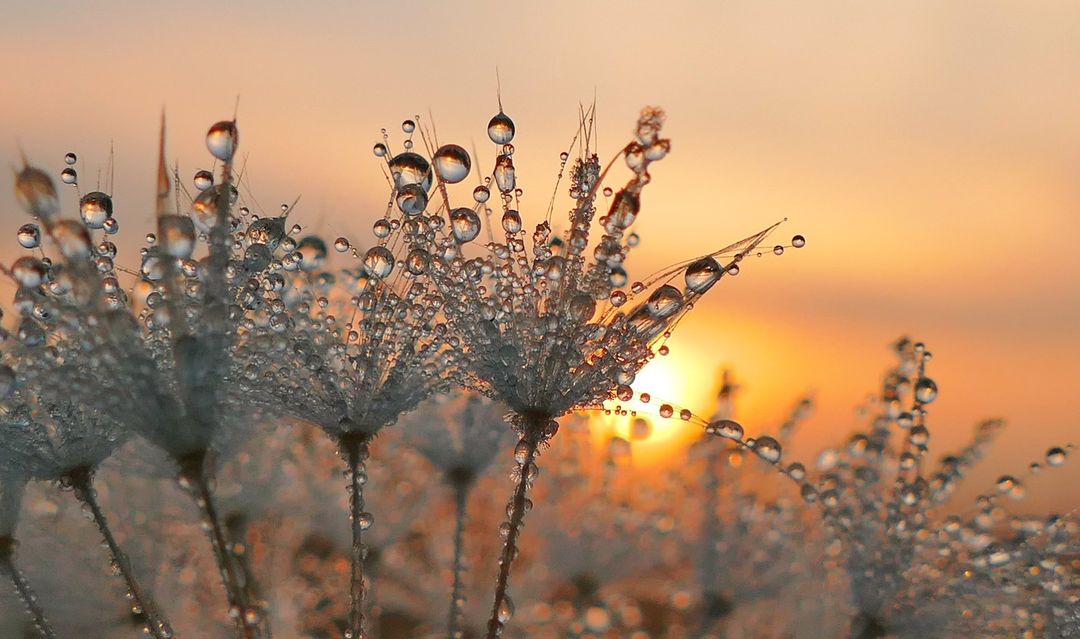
[[452, 163], [69, 176], [410, 168], [768, 449], [465, 224], [95, 208], [70, 158], [501, 129], [703, 274], [378, 261], [203, 180], [1056, 456], [222, 140], [798, 241], [29, 236]]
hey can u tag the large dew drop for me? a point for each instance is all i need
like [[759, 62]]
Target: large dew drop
[[29, 236], [222, 140], [452, 163], [465, 224], [702, 274], [95, 208], [379, 261], [501, 129], [664, 301], [411, 168]]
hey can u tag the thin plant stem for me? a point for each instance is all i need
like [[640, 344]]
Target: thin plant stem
[[235, 525], [355, 450], [25, 593], [82, 481], [462, 488], [500, 606], [245, 616]]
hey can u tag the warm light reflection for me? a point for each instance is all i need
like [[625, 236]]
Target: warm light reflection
[[676, 378]]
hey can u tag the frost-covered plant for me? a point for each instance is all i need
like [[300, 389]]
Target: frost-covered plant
[[544, 330], [460, 436], [161, 363], [911, 564]]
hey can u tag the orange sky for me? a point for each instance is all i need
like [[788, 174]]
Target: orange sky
[[929, 151]]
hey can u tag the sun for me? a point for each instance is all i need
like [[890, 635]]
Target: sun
[[679, 378]]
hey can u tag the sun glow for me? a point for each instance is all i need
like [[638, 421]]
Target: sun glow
[[675, 379]]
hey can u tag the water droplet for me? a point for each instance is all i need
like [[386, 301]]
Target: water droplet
[[664, 301], [69, 176], [481, 194], [667, 410], [504, 174], [222, 140], [410, 168], [778, 250], [95, 208], [768, 449], [506, 609], [70, 158], [341, 244], [267, 230], [408, 126], [703, 274], [511, 221], [465, 224], [798, 241], [925, 390], [1056, 456], [203, 180], [725, 428], [412, 200], [29, 236], [378, 261], [417, 261], [618, 276], [379, 150], [452, 163], [501, 129]]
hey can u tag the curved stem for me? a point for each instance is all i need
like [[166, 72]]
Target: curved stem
[[355, 451], [526, 454], [245, 616], [22, 588], [461, 496], [143, 602]]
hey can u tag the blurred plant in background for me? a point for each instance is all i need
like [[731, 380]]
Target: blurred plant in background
[[242, 364]]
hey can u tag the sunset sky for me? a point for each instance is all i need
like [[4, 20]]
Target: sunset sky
[[929, 152]]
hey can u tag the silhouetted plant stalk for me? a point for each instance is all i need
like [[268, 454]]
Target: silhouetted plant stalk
[[23, 590], [462, 481], [194, 479], [354, 448], [142, 602], [502, 608]]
